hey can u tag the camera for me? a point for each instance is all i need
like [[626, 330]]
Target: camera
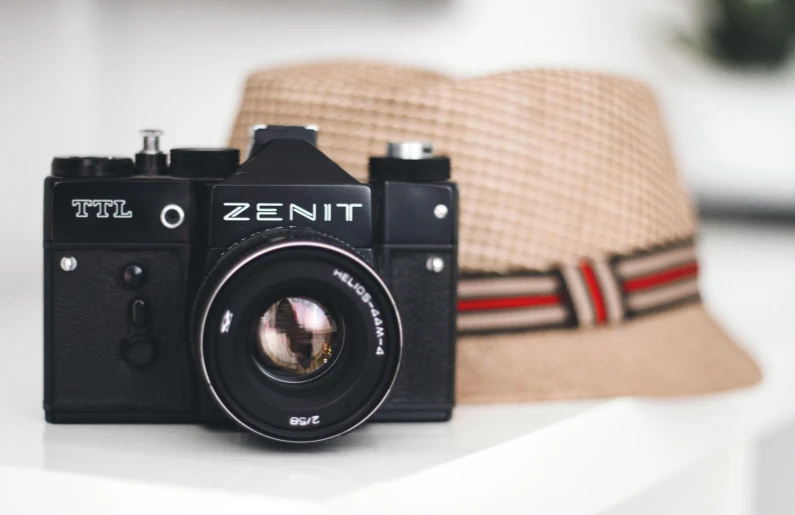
[[281, 296]]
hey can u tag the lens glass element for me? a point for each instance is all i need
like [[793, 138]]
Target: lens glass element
[[296, 339]]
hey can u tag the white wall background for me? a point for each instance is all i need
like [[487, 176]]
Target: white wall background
[[82, 76]]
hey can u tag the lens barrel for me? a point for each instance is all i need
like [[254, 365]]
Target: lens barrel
[[297, 337]]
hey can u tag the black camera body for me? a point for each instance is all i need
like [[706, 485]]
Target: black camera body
[[281, 294]]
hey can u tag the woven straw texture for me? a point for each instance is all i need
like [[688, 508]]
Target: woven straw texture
[[553, 166]]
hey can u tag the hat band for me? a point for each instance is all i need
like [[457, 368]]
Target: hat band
[[593, 293]]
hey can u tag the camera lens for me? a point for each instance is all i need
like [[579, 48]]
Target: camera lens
[[297, 337], [296, 340]]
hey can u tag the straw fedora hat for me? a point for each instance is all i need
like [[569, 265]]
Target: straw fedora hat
[[578, 272]]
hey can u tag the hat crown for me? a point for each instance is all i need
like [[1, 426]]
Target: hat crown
[[552, 165]]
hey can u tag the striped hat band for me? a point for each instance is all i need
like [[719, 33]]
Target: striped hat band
[[593, 293]]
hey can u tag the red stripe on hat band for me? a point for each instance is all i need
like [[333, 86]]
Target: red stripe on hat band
[[593, 289], [650, 281], [507, 303]]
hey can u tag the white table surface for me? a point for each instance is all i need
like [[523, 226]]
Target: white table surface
[[566, 457]]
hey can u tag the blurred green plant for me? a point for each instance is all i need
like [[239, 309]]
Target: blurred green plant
[[753, 32]]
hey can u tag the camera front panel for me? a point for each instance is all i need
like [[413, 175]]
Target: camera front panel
[[116, 278], [418, 256], [115, 346], [422, 281]]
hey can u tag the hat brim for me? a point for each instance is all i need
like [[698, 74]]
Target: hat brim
[[678, 352]]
